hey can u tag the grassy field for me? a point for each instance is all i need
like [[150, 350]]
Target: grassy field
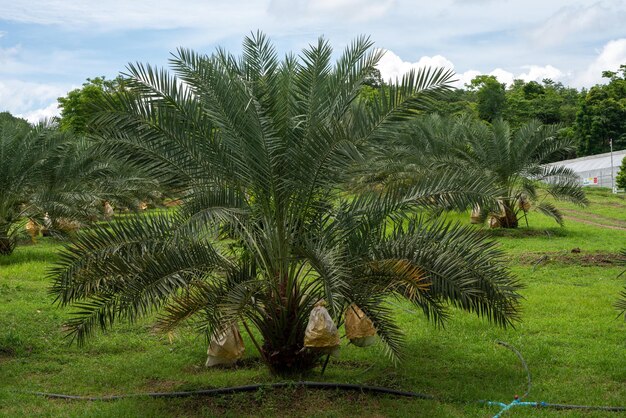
[[570, 338]]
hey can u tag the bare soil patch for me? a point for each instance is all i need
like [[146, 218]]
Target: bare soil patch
[[600, 225], [599, 220], [572, 258]]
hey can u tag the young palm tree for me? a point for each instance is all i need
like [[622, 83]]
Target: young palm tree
[[259, 148], [514, 162], [26, 153], [48, 171]]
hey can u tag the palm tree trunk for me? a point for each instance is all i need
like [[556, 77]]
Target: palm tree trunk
[[507, 217], [7, 242], [283, 347]]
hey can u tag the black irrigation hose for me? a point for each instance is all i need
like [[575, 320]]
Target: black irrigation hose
[[246, 388], [581, 407], [335, 386], [307, 384]]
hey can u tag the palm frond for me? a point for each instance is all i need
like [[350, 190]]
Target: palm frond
[[563, 184], [483, 283], [399, 102], [129, 268], [550, 210]]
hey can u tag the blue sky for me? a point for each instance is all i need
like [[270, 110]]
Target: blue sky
[[48, 47]]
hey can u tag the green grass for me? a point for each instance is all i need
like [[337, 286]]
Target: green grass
[[569, 336]]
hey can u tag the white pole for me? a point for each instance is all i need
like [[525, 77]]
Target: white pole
[[613, 185]]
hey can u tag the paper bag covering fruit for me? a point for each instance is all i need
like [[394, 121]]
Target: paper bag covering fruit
[[226, 348], [321, 333], [359, 328], [524, 204]]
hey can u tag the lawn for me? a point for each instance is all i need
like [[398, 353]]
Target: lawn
[[574, 345]]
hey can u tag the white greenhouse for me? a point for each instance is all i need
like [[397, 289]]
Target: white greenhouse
[[595, 170]]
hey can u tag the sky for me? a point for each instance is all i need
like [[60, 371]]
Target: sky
[[48, 47]]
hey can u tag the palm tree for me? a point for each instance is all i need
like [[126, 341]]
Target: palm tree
[[514, 163], [45, 171], [259, 148], [27, 153]]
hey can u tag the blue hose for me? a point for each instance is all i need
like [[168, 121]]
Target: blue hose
[[505, 407]]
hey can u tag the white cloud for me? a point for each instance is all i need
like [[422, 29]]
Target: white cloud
[[18, 61], [503, 76], [351, 10], [358, 10], [36, 115], [589, 21], [30, 100], [613, 54], [8, 55], [216, 19], [391, 66], [535, 74], [538, 73], [465, 78], [138, 14]]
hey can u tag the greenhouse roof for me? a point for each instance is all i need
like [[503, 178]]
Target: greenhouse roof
[[593, 162]]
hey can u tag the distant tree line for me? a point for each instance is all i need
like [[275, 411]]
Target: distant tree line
[[591, 117]]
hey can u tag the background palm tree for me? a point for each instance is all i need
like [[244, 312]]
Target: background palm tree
[[513, 161], [45, 171], [27, 153], [259, 149]]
